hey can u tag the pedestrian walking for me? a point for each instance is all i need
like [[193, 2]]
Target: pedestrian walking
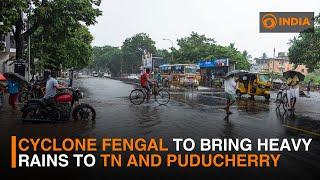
[[230, 90], [13, 89], [309, 87]]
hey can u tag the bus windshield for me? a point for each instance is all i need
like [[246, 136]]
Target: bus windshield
[[264, 77], [191, 69]]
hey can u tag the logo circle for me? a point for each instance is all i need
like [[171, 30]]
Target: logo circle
[[269, 21]]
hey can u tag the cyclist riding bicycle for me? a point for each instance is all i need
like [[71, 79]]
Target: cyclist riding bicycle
[[146, 83]]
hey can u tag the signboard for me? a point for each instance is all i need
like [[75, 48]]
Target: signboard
[[213, 63], [147, 60], [20, 67]]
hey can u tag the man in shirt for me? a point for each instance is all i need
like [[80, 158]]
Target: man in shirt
[[230, 90], [293, 83], [51, 88], [146, 82]]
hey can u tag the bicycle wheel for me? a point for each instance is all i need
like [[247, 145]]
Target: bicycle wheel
[[285, 102], [162, 97], [279, 99], [137, 96]]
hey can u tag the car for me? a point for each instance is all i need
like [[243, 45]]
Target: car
[[106, 75], [133, 76], [95, 74]]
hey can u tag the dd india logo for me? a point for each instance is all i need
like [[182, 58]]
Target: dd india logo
[[286, 21]]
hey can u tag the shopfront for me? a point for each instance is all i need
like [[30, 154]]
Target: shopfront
[[212, 71]]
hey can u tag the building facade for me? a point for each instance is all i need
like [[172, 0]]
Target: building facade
[[278, 64], [7, 55]]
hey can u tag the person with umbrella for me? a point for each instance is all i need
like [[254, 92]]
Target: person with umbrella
[[2, 89], [293, 82], [13, 89], [230, 87], [230, 90]]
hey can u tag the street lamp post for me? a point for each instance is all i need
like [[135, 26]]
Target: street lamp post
[[166, 39]]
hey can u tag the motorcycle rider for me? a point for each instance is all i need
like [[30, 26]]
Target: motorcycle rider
[[51, 87]]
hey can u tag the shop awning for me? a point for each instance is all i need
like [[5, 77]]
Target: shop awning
[[213, 63]]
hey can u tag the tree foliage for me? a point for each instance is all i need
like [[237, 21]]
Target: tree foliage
[[133, 48], [197, 47], [194, 48], [191, 49], [59, 17], [107, 58], [54, 52], [305, 49]]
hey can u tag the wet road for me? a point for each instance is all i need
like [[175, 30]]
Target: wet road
[[189, 114], [197, 112]]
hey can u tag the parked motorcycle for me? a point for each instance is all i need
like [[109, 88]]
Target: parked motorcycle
[[34, 91], [61, 108]]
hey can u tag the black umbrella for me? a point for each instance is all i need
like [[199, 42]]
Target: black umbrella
[[17, 77], [236, 73], [288, 74]]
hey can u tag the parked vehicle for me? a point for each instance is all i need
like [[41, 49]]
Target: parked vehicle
[[133, 76], [66, 104], [34, 91], [254, 84], [95, 74], [182, 74], [107, 75]]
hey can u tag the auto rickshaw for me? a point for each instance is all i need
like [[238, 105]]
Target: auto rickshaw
[[254, 84]]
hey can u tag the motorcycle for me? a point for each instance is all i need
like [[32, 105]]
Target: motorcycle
[[61, 108], [35, 90]]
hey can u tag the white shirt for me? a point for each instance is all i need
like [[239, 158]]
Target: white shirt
[[51, 88], [230, 85]]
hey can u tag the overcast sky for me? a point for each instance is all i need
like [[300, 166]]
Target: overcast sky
[[226, 21]]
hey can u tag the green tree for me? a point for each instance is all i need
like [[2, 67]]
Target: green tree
[[107, 58], [54, 52], [165, 54], [305, 49], [51, 15], [133, 48], [194, 48]]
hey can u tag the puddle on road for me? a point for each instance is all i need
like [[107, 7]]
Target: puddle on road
[[217, 100]]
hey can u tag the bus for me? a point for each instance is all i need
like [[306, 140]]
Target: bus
[[182, 74]]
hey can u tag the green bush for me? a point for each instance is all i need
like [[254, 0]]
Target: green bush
[[315, 76]]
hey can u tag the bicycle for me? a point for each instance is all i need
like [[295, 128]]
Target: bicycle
[[161, 96], [282, 98]]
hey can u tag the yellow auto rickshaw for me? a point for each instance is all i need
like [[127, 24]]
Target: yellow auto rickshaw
[[254, 84]]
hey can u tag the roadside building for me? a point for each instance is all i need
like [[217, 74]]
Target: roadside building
[[7, 54], [279, 64], [214, 69]]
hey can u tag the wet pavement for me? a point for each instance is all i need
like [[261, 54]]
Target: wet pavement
[[189, 114]]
